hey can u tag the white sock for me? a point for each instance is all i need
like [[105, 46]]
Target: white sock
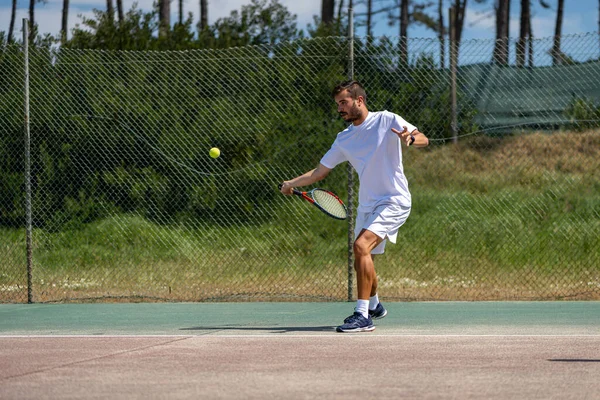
[[373, 301], [362, 306]]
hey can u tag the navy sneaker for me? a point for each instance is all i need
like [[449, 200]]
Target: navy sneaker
[[378, 313], [356, 323]]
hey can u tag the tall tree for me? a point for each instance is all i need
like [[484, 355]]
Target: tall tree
[[404, 19], [203, 22], [557, 56], [180, 12], [327, 11], [524, 31], [64, 27], [460, 9], [441, 31], [32, 27], [502, 32], [110, 10], [164, 17], [13, 16], [369, 18], [530, 46], [340, 13], [120, 11], [373, 8], [260, 22], [417, 12]]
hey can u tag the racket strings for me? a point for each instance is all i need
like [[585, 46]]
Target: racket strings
[[330, 203]]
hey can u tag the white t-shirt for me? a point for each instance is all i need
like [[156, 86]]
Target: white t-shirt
[[375, 152]]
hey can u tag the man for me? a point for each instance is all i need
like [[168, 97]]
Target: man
[[373, 145]]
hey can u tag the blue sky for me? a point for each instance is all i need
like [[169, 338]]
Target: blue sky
[[580, 16]]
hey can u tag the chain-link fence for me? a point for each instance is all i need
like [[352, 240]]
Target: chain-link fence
[[127, 204]]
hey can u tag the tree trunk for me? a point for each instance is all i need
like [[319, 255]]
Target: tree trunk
[[441, 33], [404, 32], [110, 10], [32, 29], [524, 30], [203, 23], [120, 11], [64, 27], [327, 11], [339, 16], [501, 46], [164, 17], [530, 46], [369, 17], [460, 9], [13, 16], [180, 12], [557, 57]]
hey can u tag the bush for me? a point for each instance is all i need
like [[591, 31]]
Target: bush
[[583, 113]]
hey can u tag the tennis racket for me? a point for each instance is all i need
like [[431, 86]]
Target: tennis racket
[[325, 201]]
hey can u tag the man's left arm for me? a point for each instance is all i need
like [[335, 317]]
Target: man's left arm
[[420, 139], [414, 138]]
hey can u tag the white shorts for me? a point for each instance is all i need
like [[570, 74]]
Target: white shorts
[[384, 221]]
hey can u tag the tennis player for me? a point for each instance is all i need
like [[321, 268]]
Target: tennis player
[[372, 144]]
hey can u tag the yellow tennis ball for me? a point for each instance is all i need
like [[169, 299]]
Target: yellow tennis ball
[[214, 152]]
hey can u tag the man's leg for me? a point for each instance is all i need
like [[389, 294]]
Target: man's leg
[[366, 278], [374, 285], [376, 309], [384, 221]]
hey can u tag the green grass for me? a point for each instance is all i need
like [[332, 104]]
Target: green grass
[[517, 218]]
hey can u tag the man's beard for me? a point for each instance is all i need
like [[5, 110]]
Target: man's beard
[[352, 115]]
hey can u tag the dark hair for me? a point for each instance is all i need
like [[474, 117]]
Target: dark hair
[[354, 88]]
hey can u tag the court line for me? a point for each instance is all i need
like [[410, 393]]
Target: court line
[[86, 360], [284, 335]]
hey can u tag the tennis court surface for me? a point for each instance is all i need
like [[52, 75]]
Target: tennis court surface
[[459, 350]]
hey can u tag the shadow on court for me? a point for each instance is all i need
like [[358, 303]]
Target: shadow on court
[[263, 329]]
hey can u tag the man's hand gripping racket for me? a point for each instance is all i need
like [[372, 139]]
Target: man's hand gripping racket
[[325, 201]]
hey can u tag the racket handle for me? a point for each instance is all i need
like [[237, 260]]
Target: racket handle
[[294, 191]]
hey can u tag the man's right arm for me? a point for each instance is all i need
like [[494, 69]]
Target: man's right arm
[[306, 179]]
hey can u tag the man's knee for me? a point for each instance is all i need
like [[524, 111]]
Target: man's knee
[[362, 248], [365, 243]]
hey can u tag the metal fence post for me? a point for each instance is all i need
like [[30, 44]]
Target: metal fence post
[[27, 162], [453, 62], [349, 167]]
